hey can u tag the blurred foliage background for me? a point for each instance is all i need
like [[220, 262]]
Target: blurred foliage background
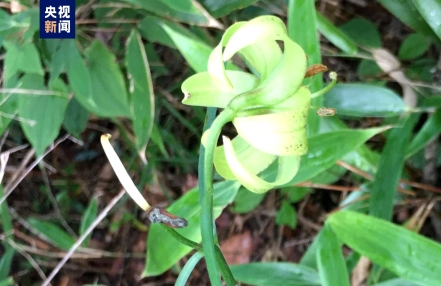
[[122, 75]]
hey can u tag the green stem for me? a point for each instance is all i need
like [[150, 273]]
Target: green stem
[[224, 269], [333, 76], [207, 221], [181, 238]]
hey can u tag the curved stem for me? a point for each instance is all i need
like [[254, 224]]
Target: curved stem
[[207, 222], [333, 76], [181, 238]]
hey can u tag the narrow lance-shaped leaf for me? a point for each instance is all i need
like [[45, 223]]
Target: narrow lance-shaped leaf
[[141, 89], [335, 35]]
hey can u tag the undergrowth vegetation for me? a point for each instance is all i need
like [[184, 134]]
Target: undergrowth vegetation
[[283, 142]]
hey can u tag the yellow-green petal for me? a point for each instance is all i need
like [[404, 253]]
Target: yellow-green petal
[[288, 167], [282, 131], [201, 90], [253, 160]]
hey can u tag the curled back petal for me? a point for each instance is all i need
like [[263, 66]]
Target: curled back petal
[[288, 167]]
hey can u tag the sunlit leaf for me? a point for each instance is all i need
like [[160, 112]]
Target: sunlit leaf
[[415, 257]]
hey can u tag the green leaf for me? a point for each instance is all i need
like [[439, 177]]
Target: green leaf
[[162, 249], [413, 46], [335, 35], [24, 58], [151, 28], [390, 168], [407, 254], [370, 37], [364, 100], [325, 149], [78, 75], [5, 262], [220, 8], [303, 13], [181, 11], [143, 98], [275, 274], [366, 69], [9, 106], [430, 10], [406, 12], [35, 108], [287, 215], [330, 260], [7, 282], [52, 232], [195, 52], [88, 217], [430, 129], [108, 87], [75, 118], [245, 201], [188, 269], [397, 282], [295, 194]]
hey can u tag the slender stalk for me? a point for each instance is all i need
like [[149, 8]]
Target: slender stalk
[[176, 235], [224, 269], [207, 222]]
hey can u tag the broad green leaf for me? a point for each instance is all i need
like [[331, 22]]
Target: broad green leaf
[[367, 69], [275, 274], [302, 29], [286, 215], [181, 11], [36, 108], [195, 52], [108, 87], [188, 269], [75, 117], [9, 106], [406, 253], [390, 168], [245, 201], [219, 8], [88, 217], [364, 100], [24, 58], [327, 148], [52, 232], [251, 159], [370, 37], [295, 194], [430, 10], [201, 90], [151, 28], [79, 76], [406, 12], [335, 35], [330, 261], [58, 58], [413, 46], [430, 129], [397, 282], [141, 90], [7, 282], [5, 262], [162, 249]]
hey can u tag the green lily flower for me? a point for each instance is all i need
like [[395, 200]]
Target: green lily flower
[[268, 108]]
